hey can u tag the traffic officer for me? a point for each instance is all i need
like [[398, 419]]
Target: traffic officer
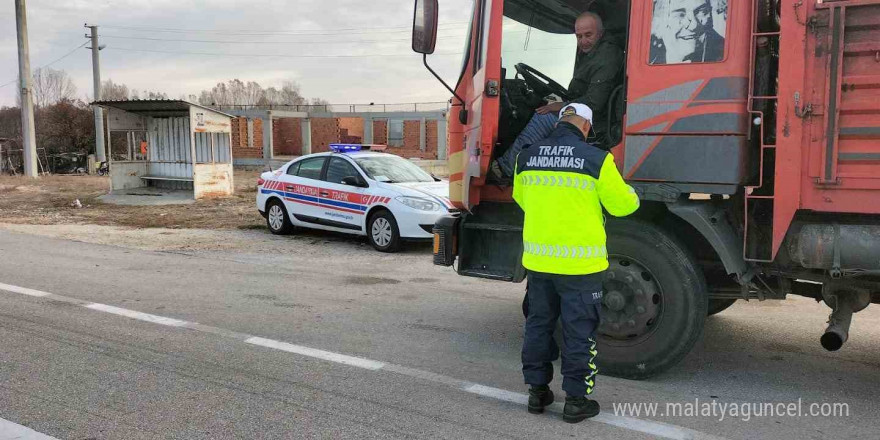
[[562, 183]]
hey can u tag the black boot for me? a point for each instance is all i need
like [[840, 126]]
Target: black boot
[[579, 408], [539, 397]]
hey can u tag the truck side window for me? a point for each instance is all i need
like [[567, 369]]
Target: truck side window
[[688, 31]]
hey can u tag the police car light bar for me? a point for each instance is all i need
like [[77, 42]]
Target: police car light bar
[[347, 148], [344, 148]]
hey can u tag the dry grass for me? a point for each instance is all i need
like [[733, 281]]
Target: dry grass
[[49, 200]]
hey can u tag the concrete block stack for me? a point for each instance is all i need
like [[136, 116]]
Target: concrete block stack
[[351, 130]]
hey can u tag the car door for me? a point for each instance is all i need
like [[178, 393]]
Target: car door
[[302, 188], [345, 207]]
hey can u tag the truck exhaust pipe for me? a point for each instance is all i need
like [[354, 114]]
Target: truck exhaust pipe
[[843, 304], [838, 330]]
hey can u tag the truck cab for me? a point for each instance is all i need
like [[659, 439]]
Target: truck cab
[[748, 129]]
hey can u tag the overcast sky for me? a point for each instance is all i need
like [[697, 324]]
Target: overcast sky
[[378, 66]]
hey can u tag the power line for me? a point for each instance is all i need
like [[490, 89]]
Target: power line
[[53, 62], [263, 32], [186, 40], [249, 55], [125, 49]]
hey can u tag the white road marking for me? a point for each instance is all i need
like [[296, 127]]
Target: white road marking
[[14, 431], [659, 429], [651, 427], [498, 393], [23, 290], [315, 353], [136, 315]]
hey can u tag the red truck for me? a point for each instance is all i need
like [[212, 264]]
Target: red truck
[[749, 128]]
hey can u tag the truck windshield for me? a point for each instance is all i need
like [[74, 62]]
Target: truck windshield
[[392, 169], [550, 53]]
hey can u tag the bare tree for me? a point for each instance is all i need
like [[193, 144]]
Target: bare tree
[[238, 92], [52, 86], [111, 91], [288, 95], [120, 92], [147, 94]]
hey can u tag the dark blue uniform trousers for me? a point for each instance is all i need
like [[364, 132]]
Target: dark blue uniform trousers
[[578, 300]]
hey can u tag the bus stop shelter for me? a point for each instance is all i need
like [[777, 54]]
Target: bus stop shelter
[[170, 145]]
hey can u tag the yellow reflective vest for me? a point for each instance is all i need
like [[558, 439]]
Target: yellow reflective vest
[[562, 183]]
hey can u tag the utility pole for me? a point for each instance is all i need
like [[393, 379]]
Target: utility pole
[[28, 134], [99, 112]]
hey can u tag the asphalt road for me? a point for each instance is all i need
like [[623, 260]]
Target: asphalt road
[[332, 340]]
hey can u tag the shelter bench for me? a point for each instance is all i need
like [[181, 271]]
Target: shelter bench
[[176, 179]]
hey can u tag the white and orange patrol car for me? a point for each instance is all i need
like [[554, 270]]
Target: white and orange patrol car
[[354, 190]]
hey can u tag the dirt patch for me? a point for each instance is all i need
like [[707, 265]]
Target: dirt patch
[[262, 297], [370, 281], [423, 280], [50, 200]]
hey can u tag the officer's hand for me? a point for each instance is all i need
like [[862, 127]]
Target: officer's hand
[[554, 107]]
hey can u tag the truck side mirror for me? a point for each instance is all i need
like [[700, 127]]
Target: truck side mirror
[[424, 35]]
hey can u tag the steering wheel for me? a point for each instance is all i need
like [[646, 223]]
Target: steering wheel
[[542, 84]]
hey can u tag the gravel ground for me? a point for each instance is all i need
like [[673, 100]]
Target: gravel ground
[[51, 200]]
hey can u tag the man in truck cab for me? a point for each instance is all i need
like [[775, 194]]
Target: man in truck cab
[[562, 183], [596, 70]]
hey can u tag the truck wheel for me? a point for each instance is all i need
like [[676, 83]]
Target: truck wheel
[[655, 301], [717, 306]]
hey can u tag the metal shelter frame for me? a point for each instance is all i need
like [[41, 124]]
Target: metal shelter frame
[[173, 145]]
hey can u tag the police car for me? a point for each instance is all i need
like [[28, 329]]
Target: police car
[[354, 189]]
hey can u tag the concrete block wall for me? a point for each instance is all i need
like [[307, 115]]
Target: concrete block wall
[[380, 131], [258, 133], [412, 134], [325, 131], [240, 147], [239, 132], [431, 137], [287, 136]]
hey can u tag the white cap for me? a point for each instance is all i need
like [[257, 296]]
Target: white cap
[[576, 109]]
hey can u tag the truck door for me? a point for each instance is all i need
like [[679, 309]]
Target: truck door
[[686, 116], [480, 88]]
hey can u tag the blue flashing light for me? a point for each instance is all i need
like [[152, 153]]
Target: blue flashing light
[[345, 148]]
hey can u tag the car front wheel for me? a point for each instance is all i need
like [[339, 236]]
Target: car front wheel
[[383, 232]]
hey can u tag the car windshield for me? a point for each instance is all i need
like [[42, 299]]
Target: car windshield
[[392, 169]]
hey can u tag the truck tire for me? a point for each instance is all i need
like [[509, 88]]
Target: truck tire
[[655, 302], [717, 306]]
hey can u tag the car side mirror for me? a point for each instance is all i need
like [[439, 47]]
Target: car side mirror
[[424, 34], [353, 181]]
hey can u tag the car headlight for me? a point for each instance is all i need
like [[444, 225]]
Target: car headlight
[[418, 203]]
